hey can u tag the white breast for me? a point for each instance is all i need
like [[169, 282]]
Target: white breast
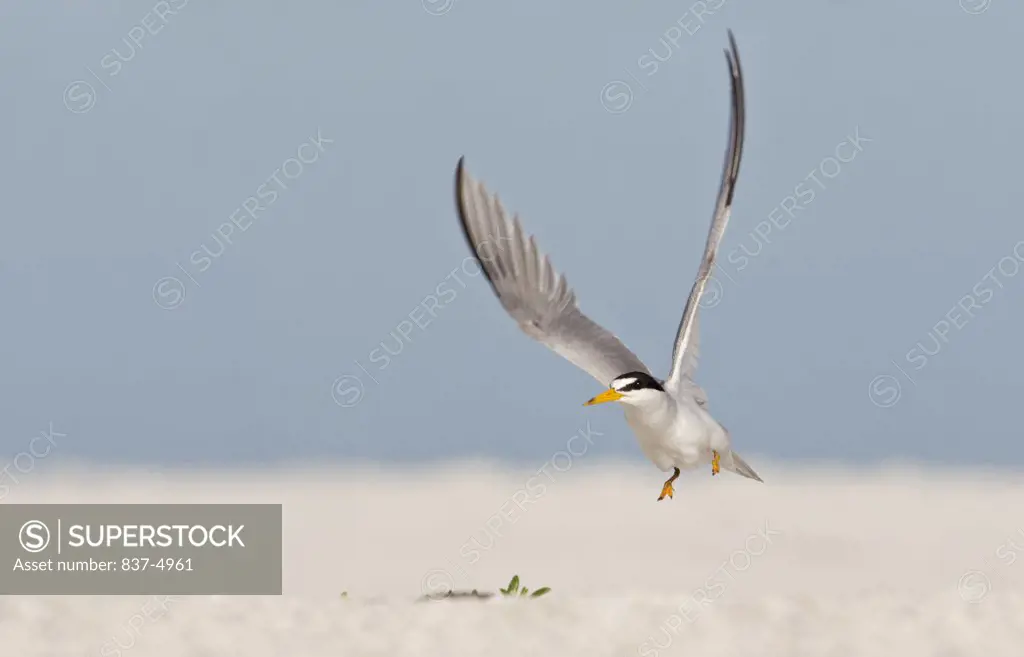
[[676, 435]]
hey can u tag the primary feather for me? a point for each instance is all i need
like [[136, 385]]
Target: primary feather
[[686, 348], [531, 290]]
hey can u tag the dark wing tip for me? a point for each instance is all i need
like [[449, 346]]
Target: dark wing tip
[[458, 176], [738, 120], [735, 54], [460, 206], [732, 55]]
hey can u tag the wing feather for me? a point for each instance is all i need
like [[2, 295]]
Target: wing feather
[[686, 349], [531, 290]]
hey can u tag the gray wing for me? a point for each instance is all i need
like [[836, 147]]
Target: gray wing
[[685, 351], [533, 293]]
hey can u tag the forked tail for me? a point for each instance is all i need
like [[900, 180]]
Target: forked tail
[[740, 467]]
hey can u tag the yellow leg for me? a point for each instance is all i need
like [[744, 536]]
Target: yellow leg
[[714, 464], [666, 490]]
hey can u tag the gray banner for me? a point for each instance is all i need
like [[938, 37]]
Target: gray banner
[[140, 549]]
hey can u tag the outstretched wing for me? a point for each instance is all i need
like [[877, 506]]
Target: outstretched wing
[[685, 351], [533, 293]]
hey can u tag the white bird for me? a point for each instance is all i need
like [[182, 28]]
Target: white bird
[[670, 417]]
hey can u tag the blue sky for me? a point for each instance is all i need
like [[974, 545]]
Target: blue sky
[[229, 234]]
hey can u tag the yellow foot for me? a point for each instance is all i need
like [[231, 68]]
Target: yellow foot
[[714, 464], [666, 491]]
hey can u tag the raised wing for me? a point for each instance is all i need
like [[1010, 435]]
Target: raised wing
[[533, 293], [685, 351]]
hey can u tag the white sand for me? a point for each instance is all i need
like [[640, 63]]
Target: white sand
[[814, 562]]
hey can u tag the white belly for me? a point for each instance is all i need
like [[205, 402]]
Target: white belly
[[677, 437]]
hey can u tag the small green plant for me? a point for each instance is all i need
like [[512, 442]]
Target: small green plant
[[513, 590], [344, 594]]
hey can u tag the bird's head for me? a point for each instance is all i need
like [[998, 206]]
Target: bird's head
[[634, 388]]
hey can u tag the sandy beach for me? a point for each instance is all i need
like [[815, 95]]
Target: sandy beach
[[816, 561]]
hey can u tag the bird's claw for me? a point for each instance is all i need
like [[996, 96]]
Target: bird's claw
[[714, 464], [666, 491]]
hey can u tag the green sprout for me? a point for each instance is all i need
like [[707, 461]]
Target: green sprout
[[513, 590]]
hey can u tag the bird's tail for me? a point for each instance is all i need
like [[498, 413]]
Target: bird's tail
[[740, 467]]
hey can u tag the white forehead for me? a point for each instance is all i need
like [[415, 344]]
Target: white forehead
[[622, 383]]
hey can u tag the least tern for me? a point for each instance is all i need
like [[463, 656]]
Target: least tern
[[669, 417]]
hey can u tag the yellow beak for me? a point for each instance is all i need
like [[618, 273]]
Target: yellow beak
[[608, 395]]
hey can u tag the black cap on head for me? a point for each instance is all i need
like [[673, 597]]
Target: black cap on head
[[640, 381]]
